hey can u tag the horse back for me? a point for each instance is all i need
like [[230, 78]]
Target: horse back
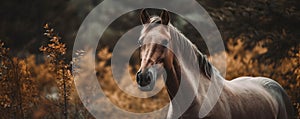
[[285, 109], [257, 97]]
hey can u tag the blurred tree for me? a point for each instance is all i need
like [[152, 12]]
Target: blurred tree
[[21, 23], [55, 52], [273, 22], [18, 89]]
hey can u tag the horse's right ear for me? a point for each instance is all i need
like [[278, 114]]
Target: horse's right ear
[[165, 17], [144, 17]]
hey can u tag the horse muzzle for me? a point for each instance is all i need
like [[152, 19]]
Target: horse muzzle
[[146, 80]]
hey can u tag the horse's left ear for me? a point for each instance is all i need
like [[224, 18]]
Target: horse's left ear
[[165, 17], [144, 17]]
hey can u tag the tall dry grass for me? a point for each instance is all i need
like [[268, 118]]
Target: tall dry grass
[[46, 90]]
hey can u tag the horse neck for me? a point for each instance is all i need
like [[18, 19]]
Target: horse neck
[[174, 80], [182, 71], [185, 66]]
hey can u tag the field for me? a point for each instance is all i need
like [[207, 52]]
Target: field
[[261, 38], [47, 89]]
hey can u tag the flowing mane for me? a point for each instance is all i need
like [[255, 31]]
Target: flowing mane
[[205, 66]]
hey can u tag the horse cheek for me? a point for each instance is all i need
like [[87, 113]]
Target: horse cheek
[[168, 62]]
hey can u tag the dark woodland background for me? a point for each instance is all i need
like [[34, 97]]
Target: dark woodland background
[[262, 38]]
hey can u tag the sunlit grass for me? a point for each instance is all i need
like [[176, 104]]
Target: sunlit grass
[[31, 90]]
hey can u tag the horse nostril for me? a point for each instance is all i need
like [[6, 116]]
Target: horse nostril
[[147, 79], [143, 79], [138, 77], [149, 76], [139, 72]]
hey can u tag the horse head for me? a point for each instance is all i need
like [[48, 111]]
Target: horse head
[[154, 54]]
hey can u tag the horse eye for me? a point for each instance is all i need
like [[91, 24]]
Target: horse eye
[[164, 42]]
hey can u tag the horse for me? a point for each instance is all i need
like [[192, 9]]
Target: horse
[[241, 98]]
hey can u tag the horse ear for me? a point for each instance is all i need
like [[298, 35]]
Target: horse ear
[[165, 17], [144, 17]]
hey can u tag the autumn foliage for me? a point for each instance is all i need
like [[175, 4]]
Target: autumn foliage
[[46, 90]]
